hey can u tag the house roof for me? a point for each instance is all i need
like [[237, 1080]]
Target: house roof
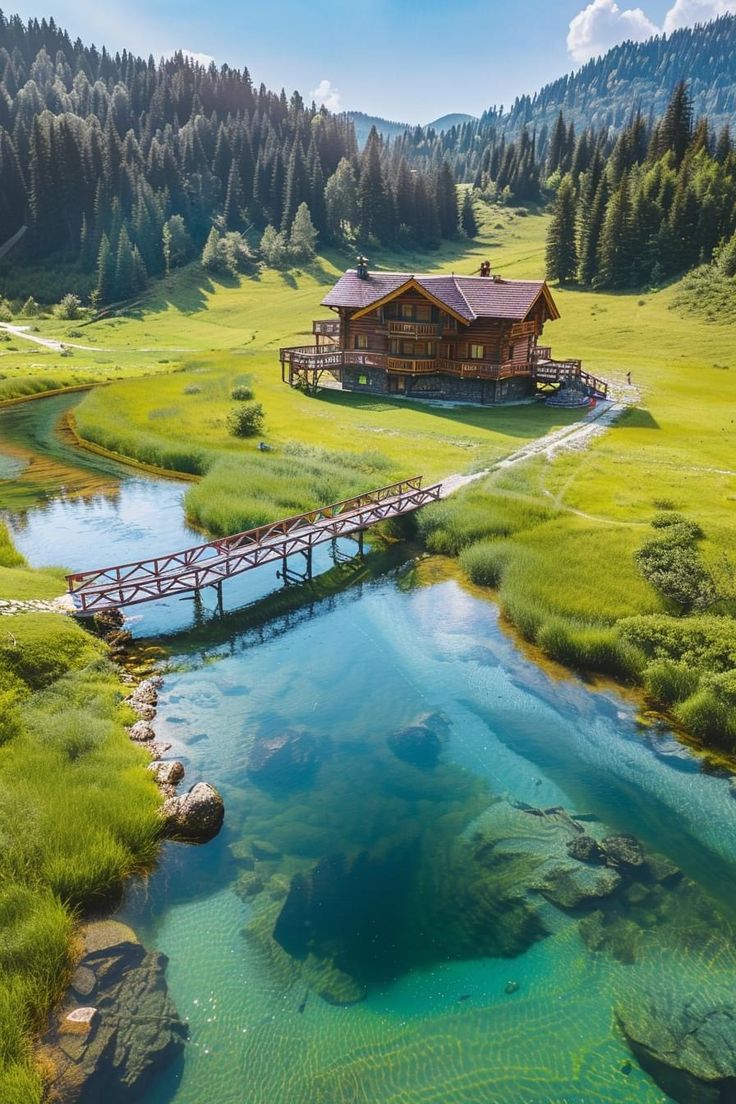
[[466, 297]]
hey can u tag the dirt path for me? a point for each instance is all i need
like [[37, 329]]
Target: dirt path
[[577, 436], [48, 342]]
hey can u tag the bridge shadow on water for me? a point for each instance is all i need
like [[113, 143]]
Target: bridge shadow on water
[[279, 611]]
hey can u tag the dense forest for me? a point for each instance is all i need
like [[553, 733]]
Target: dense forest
[[122, 167], [659, 201]]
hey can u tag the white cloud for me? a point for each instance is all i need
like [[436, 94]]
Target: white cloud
[[686, 12], [200, 59], [602, 25], [326, 93]]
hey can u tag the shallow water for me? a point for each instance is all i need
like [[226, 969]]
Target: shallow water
[[437, 1025]]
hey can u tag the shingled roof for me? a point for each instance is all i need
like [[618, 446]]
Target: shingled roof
[[468, 297]]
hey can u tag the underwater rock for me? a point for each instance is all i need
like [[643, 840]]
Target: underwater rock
[[265, 851], [196, 816], [661, 870], [617, 935], [571, 887], [623, 851], [420, 743], [687, 1045], [585, 849], [249, 884], [127, 1030], [289, 758], [511, 987]]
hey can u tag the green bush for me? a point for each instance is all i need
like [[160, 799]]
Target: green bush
[[709, 717], [673, 565], [247, 421], [485, 562], [70, 307], [669, 682], [241, 394]]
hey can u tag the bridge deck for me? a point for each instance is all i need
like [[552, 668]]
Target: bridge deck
[[211, 563]]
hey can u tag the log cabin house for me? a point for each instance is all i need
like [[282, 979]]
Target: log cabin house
[[463, 338]]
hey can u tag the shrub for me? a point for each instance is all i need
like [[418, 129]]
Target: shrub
[[69, 307], [274, 247], [193, 389], [246, 421], [6, 315], [669, 682], [673, 566], [241, 394], [485, 562], [709, 717], [228, 254], [30, 308]]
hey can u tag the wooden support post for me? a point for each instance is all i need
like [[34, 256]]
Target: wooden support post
[[360, 543]]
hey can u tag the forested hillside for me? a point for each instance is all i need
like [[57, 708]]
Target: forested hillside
[[641, 75], [121, 167], [659, 202]]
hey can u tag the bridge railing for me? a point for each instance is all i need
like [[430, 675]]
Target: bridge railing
[[204, 554]]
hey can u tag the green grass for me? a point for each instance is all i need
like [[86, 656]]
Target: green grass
[[78, 810], [558, 539]]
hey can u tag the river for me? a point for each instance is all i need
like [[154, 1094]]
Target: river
[[462, 1005]]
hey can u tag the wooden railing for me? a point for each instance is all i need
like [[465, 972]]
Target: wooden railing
[[312, 358], [414, 329], [210, 564]]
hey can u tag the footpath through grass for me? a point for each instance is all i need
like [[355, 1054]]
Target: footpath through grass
[[78, 810]]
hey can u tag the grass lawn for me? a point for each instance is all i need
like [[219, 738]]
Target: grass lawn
[[78, 809]]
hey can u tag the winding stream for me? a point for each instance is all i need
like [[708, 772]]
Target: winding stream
[[445, 1019]]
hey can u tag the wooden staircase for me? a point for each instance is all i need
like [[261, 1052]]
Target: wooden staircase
[[549, 372]]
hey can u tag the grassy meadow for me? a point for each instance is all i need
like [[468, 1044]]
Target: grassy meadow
[[557, 540], [78, 811]]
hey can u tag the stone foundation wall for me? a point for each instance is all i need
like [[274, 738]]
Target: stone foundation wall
[[376, 381]]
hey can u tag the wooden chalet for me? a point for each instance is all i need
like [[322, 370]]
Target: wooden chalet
[[465, 338]]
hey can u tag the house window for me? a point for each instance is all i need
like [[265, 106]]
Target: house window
[[407, 312], [477, 352], [424, 312], [361, 341]]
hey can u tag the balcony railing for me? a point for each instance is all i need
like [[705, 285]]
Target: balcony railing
[[312, 358], [414, 329]]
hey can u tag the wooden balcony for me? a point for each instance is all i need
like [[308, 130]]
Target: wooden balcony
[[313, 358], [416, 330]]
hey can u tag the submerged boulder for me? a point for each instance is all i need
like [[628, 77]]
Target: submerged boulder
[[196, 816], [687, 1044], [420, 743], [118, 1026], [571, 886], [623, 851], [289, 758], [585, 849]]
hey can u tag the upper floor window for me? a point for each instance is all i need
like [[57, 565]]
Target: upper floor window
[[361, 341], [477, 352], [423, 312], [407, 312]]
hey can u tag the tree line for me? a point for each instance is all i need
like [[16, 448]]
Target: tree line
[[658, 201], [122, 166]]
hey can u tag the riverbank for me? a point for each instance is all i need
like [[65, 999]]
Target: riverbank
[[79, 812]]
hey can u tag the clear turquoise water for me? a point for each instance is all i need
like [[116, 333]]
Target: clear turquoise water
[[436, 1027]]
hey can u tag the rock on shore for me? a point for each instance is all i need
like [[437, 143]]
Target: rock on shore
[[118, 1026], [195, 816]]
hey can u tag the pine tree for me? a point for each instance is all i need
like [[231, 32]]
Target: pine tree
[[617, 245], [341, 201], [303, 236], [375, 203], [209, 253], [447, 202], [562, 257], [590, 235], [105, 271], [467, 217], [126, 274], [233, 200]]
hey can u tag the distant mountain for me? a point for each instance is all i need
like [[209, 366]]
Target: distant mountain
[[388, 129], [363, 124], [447, 122], [638, 75]]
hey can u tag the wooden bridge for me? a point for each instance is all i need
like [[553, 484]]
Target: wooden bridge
[[208, 565]]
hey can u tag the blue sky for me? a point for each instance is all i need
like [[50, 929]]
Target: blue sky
[[409, 60]]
